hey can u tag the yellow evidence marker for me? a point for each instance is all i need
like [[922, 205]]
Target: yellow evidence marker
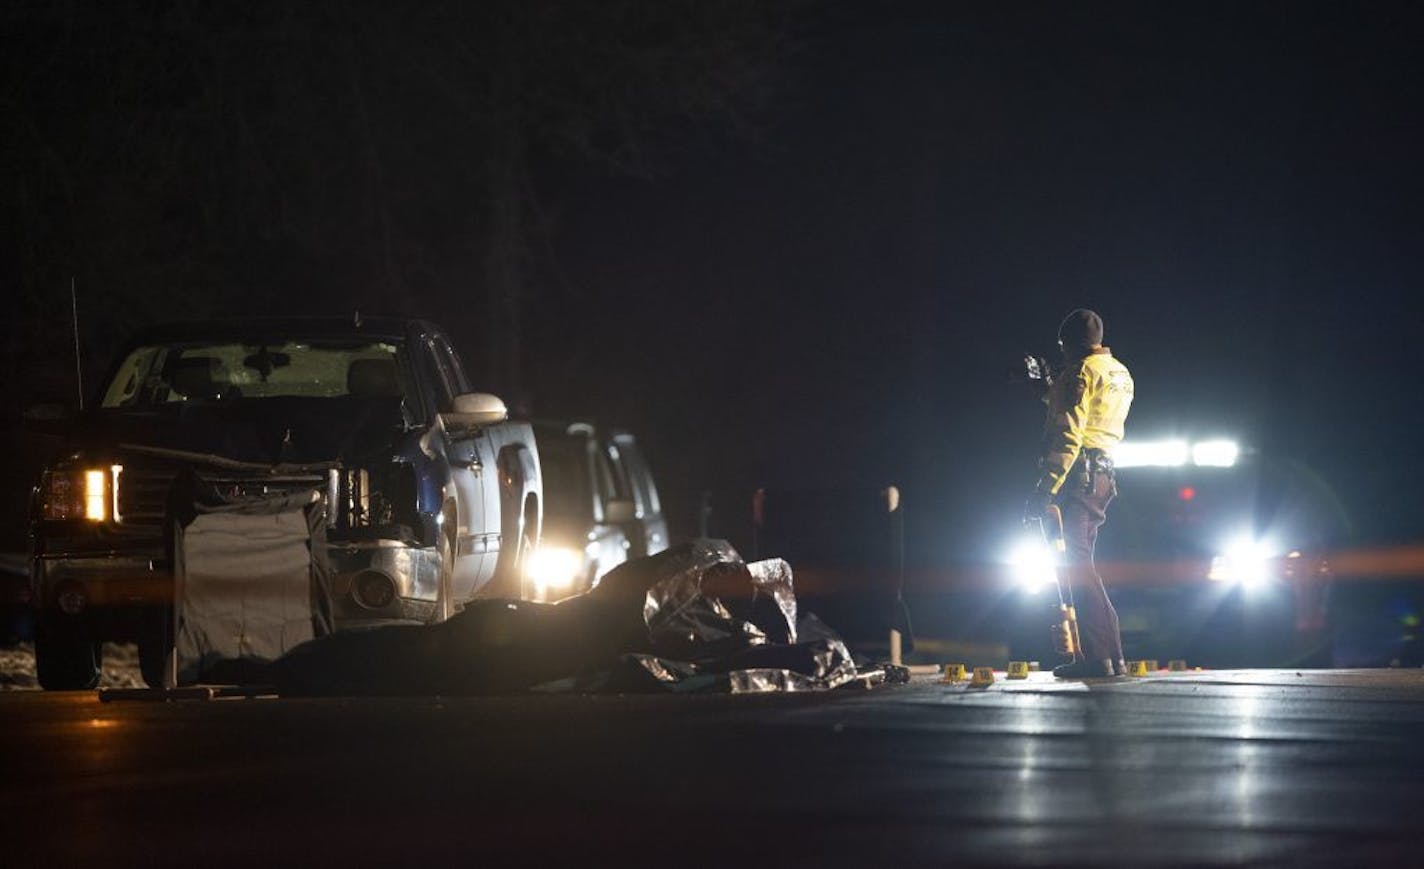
[[1152, 665], [1137, 668], [1018, 669], [953, 673], [1177, 666], [983, 677]]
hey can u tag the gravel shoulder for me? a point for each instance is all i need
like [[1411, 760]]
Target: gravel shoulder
[[120, 669]]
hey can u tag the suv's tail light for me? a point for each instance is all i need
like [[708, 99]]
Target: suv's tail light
[[90, 494]]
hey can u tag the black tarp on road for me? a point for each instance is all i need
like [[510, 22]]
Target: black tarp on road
[[692, 618]]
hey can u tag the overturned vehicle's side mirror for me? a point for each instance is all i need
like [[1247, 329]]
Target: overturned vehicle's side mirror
[[472, 410]]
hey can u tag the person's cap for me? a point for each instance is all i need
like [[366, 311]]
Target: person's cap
[[1082, 328]]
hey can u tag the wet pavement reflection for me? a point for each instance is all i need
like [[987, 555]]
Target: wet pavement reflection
[[1182, 769]]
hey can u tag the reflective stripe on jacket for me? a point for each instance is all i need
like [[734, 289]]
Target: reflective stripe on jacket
[[1087, 407]]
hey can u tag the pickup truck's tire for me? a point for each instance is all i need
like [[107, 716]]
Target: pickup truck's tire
[[510, 570], [521, 562], [445, 593], [65, 658], [153, 652], [155, 644], [151, 658]]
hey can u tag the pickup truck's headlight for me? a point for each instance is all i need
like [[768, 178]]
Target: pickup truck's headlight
[[90, 494], [554, 568]]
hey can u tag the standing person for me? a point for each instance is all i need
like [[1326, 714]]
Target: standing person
[[1087, 407]]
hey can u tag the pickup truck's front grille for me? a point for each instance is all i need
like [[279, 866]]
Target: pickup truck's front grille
[[143, 496], [143, 492]]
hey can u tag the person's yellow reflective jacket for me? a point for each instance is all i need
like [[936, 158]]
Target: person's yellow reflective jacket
[[1087, 408]]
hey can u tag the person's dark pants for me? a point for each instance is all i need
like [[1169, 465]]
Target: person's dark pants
[[1084, 511]]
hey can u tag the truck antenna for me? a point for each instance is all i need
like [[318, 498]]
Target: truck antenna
[[78, 360]]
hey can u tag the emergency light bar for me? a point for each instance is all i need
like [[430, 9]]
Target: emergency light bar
[[1176, 454]]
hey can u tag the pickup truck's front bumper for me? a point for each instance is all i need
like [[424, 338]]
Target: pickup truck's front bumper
[[113, 596], [413, 571], [117, 595]]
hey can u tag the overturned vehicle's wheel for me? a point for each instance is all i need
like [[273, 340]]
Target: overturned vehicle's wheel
[[65, 658]]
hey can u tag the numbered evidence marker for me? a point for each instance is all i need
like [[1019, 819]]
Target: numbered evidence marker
[[1018, 669], [1137, 668], [1177, 666], [983, 677], [953, 672]]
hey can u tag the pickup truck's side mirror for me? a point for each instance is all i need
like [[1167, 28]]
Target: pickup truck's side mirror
[[620, 511], [472, 410]]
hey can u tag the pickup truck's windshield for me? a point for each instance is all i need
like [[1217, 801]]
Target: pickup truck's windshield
[[162, 374]]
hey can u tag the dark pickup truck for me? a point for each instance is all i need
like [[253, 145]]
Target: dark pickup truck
[[433, 497]]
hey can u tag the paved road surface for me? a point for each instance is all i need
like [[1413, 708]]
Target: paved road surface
[[1260, 767]]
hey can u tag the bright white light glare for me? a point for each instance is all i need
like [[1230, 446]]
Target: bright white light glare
[[1215, 454], [96, 502], [1032, 564], [1175, 454], [1151, 454], [1245, 562], [554, 568]]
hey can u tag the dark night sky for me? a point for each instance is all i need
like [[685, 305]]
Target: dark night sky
[[1234, 187]]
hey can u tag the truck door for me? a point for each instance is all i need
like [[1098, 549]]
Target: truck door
[[468, 475], [485, 522]]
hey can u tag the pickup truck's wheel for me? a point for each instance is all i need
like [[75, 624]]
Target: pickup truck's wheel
[[516, 562], [151, 658], [444, 595], [154, 647], [65, 659], [521, 564]]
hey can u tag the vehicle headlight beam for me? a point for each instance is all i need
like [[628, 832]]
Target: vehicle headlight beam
[[1032, 564], [1244, 561], [1176, 453], [554, 568]]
